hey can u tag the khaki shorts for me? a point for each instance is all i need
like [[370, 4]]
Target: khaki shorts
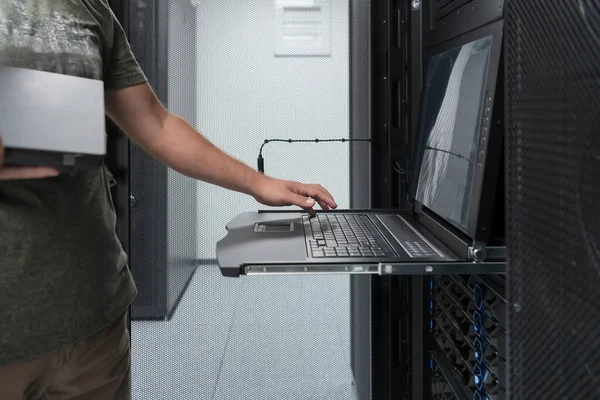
[[98, 367]]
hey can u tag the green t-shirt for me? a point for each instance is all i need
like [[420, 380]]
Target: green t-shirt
[[63, 273]]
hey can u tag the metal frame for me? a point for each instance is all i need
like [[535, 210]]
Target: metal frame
[[383, 293]]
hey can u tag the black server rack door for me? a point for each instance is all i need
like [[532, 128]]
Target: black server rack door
[[553, 103], [158, 203]]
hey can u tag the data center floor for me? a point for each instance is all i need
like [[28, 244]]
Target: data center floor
[[284, 338]]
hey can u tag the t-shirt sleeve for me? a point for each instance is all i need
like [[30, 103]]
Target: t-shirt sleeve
[[122, 69]]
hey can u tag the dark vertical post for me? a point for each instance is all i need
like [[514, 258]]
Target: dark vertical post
[[381, 191], [418, 297]]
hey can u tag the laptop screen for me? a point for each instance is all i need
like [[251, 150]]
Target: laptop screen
[[451, 121]]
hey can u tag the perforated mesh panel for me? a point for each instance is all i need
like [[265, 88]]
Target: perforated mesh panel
[[252, 338], [553, 89], [360, 188]]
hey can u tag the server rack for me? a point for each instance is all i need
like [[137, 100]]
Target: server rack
[[156, 207], [439, 337]]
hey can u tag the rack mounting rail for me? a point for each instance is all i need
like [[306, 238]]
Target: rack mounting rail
[[488, 260]]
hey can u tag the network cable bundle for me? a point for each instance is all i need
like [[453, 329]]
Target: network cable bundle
[[469, 331]]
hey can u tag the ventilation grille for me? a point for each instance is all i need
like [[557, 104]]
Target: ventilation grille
[[468, 323], [553, 139]]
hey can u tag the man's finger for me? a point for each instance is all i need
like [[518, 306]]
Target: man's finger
[[304, 202], [11, 173], [318, 193], [324, 196], [326, 192]]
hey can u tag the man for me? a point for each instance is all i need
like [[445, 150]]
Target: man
[[64, 283]]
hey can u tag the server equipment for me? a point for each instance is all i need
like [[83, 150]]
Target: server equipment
[[461, 352]]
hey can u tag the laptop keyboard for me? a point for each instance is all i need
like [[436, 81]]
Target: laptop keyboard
[[346, 236]]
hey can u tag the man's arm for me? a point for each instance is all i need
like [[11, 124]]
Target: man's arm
[[171, 140]]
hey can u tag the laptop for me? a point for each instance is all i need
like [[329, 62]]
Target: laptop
[[50, 119], [456, 170]]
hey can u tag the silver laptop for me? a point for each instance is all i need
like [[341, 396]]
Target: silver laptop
[[456, 174], [50, 119]]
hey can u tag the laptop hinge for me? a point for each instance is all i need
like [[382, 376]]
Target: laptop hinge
[[480, 252], [457, 244]]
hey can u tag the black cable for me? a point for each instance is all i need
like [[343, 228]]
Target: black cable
[[447, 152], [261, 160], [399, 169]]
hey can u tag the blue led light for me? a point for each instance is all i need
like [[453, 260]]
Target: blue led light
[[480, 375]]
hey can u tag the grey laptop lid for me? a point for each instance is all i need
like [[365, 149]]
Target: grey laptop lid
[[43, 112]]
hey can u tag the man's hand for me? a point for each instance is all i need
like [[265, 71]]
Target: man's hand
[[275, 192], [11, 173]]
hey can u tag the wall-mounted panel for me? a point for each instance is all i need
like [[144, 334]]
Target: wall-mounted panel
[[302, 27]]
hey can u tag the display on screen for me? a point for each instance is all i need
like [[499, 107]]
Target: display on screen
[[450, 126]]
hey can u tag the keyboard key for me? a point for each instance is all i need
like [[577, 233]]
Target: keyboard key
[[342, 252]]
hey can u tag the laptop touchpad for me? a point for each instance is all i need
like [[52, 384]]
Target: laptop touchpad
[[274, 227]]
